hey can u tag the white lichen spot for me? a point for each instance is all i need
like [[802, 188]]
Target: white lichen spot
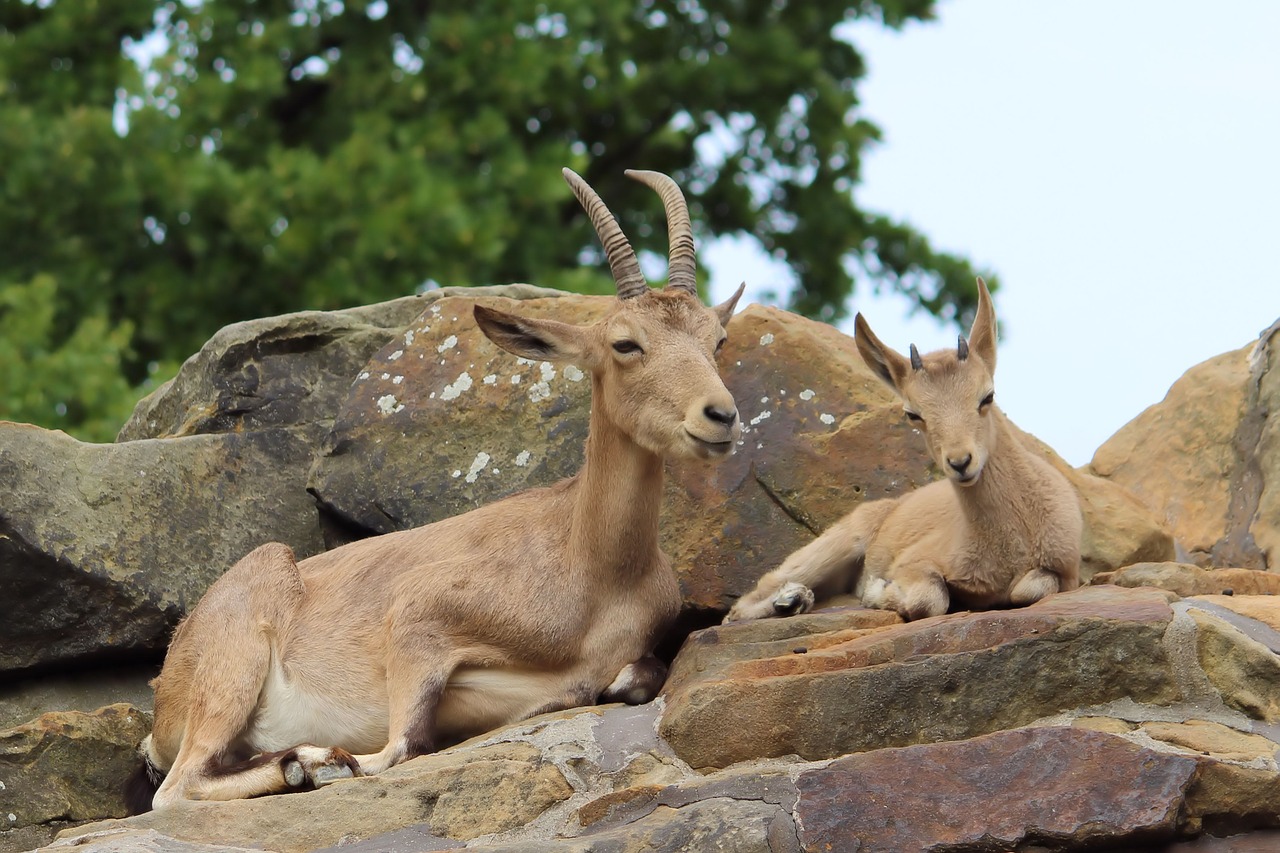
[[395, 356], [13, 818], [425, 329], [807, 394], [408, 338], [396, 380], [783, 392], [491, 379], [539, 391], [449, 343], [462, 383], [435, 309], [2, 783], [477, 465], [764, 399], [364, 375], [827, 419], [496, 471], [386, 376], [760, 446], [515, 380], [763, 416], [387, 404], [523, 360], [522, 458], [738, 363], [573, 374], [766, 339], [456, 474], [548, 371], [431, 396]]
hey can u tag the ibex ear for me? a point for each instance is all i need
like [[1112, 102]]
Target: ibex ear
[[544, 340], [725, 309], [982, 338], [884, 362]]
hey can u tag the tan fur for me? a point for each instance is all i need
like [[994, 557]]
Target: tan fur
[[389, 645], [1003, 528]]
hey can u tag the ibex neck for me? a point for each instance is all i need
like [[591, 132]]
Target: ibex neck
[[618, 500], [1004, 479]]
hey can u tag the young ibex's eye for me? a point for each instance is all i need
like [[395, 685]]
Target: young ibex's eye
[[914, 418], [987, 401], [625, 347]]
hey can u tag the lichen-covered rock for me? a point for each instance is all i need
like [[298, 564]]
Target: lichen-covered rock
[[66, 767], [1245, 672], [103, 547], [1207, 458]]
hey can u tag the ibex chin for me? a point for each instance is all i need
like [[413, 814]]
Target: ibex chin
[[1002, 529], [291, 675]]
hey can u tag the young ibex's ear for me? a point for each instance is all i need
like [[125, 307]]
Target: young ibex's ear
[[884, 362], [725, 309], [982, 338], [543, 340]]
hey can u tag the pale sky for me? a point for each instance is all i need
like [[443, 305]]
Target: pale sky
[[1118, 164]]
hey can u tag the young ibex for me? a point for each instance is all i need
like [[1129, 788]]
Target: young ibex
[[290, 675], [1003, 529]]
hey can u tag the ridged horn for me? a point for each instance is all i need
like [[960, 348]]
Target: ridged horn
[[617, 249], [682, 263], [962, 348], [916, 363]]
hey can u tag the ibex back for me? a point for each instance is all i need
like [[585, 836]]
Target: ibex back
[[1002, 529], [289, 675]]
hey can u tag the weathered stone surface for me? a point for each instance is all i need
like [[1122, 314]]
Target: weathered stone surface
[[121, 840], [24, 699], [1265, 841], [1213, 739], [946, 678], [1227, 798], [1187, 579], [1207, 458], [999, 792], [274, 372], [66, 767], [104, 547], [1263, 609], [1245, 672], [458, 795]]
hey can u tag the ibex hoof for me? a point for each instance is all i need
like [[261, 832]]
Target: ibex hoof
[[793, 599], [319, 766], [332, 773]]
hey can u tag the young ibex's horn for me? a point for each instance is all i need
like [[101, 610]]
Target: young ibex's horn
[[962, 349], [682, 264], [916, 363], [617, 249]]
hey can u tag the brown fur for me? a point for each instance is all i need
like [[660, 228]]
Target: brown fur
[[1003, 528], [544, 600]]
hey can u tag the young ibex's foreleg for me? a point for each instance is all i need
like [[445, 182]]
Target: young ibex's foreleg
[[418, 671], [1060, 574], [828, 561], [218, 689]]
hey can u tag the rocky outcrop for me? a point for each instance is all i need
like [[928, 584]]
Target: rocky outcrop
[[399, 414], [1107, 717], [64, 768], [1207, 458]]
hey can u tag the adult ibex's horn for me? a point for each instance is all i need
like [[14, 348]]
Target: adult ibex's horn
[[617, 249], [682, 264]]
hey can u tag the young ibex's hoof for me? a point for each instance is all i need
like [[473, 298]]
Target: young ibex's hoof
[[319, 766], [792, 600]]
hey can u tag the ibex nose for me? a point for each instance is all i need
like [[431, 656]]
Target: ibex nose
[[721, 414], [959, 465]]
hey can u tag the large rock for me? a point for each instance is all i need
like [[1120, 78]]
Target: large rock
[[104, 547], [65, 767], [1207, 458]]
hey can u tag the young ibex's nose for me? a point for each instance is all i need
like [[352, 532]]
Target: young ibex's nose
[[960, 465], [721, 414]]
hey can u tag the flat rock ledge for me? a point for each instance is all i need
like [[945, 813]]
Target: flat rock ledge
[[1106, 718]]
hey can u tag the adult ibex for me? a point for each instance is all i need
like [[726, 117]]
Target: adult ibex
[[1003, 528], [288, 675]]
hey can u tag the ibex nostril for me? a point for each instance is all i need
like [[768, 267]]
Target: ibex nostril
[[721, 416], [959, 465]]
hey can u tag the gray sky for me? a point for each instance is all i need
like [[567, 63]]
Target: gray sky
[[1118, 164]]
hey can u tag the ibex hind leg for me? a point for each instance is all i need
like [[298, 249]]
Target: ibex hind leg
[[1035, 585], [208, 691]]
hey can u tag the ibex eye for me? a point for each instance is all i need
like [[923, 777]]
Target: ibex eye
[[914, 418], [625, 347], [987, 401]]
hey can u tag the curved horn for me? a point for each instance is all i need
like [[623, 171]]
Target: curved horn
[[682, 264], [962, 348], [916, 363], [617, 249]]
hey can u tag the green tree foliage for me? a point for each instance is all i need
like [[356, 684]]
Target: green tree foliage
[[176, 166]]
